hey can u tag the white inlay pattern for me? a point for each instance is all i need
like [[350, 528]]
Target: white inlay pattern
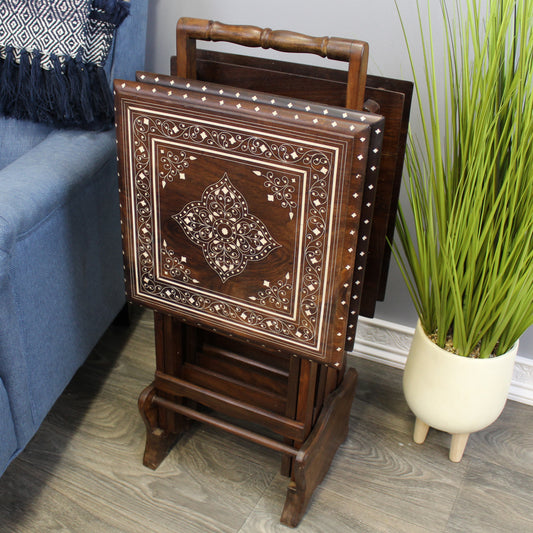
[[221, 224], [282, 188]]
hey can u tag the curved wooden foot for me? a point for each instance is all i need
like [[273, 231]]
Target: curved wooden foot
[[314, 457], [420, 432], [457, 446], [158, 441]]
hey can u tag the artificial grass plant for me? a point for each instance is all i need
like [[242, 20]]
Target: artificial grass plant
[[467, 258]]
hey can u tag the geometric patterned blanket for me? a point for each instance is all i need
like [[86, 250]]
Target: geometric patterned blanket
[[52, 57]]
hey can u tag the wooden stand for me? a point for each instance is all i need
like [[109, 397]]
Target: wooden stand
[[201, 374], [287, 395]]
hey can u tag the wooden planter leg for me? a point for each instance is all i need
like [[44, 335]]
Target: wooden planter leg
[[458, 445], [158, 441], [314, 457], [421, 431]]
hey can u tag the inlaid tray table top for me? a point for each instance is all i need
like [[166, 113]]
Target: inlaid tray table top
[[243, 214], [376, 124]]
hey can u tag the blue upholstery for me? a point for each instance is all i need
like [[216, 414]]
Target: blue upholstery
[[23, 136], [61, 279]]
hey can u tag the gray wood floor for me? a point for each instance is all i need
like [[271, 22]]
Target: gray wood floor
[[82, 472]]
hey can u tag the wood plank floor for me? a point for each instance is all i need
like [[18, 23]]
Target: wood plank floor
[[82, 472]]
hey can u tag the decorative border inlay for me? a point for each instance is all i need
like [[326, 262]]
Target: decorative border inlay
[[320, 166], [303, 110], [282, 189]]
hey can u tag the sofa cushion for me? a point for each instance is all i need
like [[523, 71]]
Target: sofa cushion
[[18, 137]]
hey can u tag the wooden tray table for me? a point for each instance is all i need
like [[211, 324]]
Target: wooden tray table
[[244, 229]]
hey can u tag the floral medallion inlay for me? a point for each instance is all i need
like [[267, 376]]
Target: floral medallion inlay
[[221, 224]]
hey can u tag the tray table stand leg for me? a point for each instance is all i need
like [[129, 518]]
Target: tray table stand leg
[[163, 427], [316, 454]]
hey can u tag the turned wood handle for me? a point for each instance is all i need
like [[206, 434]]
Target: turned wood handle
[[281, 40], [188, 30]]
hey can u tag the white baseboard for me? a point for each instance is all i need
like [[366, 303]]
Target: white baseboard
[[388, 343]]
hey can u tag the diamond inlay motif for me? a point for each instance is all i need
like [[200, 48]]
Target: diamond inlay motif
[[221, 224]]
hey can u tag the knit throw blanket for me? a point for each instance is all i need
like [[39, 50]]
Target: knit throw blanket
[[52, 54]]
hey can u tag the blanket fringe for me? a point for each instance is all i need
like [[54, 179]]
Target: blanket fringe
[[71, 94]]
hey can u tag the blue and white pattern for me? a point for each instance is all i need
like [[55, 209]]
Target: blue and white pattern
[[69, 39], [55, 28], [52, 28]]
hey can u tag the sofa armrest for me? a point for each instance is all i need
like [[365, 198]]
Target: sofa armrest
[[41, 180], [60, 267]]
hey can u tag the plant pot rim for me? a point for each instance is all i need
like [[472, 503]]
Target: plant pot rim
[[427, 340]]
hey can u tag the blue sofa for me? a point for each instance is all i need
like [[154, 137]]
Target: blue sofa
[[61, 279]]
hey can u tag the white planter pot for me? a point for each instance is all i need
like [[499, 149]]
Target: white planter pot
[[455, 394]]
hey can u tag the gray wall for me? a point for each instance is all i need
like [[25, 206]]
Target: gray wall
[[374, 21]]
